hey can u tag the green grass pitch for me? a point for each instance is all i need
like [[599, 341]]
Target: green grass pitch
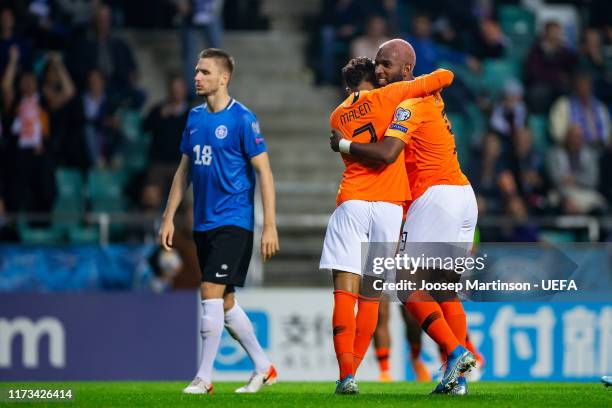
[[318, 394]]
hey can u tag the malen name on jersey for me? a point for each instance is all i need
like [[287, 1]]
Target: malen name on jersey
[[355, 113]]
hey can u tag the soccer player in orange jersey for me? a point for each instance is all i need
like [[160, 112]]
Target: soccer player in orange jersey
[[369, 206], [443, 208]]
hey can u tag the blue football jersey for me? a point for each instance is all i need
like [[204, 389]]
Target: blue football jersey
[[220, 146]]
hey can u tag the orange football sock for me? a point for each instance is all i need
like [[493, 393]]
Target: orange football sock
[[430, 317], [456, 319], [367, 318], [344, 330], [382, 355]]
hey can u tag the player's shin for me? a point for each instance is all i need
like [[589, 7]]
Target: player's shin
[[241, 328], [431, 319], [344, 330], [456, 319], [367, 318], [212, 328]]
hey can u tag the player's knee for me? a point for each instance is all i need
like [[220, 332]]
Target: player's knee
[[228, 302]]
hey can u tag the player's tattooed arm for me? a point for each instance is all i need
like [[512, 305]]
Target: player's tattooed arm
[[384, 152]]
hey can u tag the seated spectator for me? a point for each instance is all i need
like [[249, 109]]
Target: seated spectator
[[548, 68], [104, 51], [341, 22], [510, 113], [491, 42], [430, 54], [527, 166], [597, 63], [8, 38], [29, 123], [166, 266], [166, 122], [574, 170], [484, 173], [367, 45], [198, 18], [101, 128], [582, 109], [518, 229]]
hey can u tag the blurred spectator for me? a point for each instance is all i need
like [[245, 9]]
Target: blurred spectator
[[597, 63], [166, 122], [584, 110], [57, 90], [195, 18], [605, 186], [491, 42], [77, 14], [375, 34], [548, 68], [44, 25], [510, 113], [429, 54], [34, 174], [102, 50], [166, 265], [9, 38], [574, 171], [487, 165], [101, 127], [527, 166], [519, 229], [341, 22]]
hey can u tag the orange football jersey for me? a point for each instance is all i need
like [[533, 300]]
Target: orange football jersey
[[363, 118], [430, 153]]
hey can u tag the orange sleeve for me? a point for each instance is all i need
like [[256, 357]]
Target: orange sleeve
[[420, 86], [406, 119]]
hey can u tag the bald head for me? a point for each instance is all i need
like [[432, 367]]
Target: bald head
[[395, 61]]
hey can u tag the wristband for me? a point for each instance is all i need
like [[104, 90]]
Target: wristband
[[345, 146]]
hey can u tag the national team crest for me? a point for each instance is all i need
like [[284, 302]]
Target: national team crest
[[221, 132], [402, 114]]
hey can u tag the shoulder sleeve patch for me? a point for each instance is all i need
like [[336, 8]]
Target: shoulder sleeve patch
[[402, 114], [401, 128]]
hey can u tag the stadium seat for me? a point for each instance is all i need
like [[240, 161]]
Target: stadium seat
[[556, 236], [105, 184], [462, 137], [69, 183], [39, 236], [538, 124], [83, 235], [67, 212], [496, 72], [517, 23], [111, 205]]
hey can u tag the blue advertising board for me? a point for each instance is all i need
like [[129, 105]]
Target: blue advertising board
[[538, 341], [98, 336]]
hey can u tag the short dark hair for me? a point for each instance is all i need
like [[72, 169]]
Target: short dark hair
[[226, 60], [358, 70]]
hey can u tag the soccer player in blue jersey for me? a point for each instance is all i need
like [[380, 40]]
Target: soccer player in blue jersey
[[222, 152]]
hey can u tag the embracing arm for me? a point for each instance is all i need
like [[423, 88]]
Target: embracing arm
[[385, 151], [420, 86]]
